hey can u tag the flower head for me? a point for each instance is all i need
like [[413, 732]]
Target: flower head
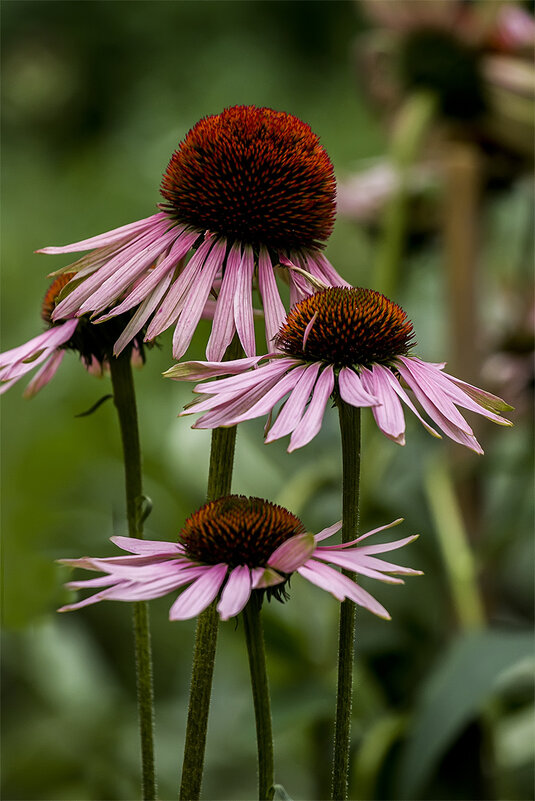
[[230, 548], [246, 191], [351, 344], [93, 344]]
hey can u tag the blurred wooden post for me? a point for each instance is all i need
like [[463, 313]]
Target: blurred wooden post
[[461, 234], [462, 182]]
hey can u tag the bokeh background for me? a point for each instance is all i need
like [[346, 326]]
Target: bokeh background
[[96, 96]]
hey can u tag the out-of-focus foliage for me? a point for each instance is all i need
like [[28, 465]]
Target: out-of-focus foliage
[[95, 98]]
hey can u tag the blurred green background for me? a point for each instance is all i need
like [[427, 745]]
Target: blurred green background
[[96, 96]]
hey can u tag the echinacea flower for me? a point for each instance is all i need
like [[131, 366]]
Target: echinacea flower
[[348, 343], [247, 190], [230, 548], [94, 344]]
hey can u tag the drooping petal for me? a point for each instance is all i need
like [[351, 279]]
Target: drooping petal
[[124, 277], [457, 394], [200, 595], [130, 255], [274, 310], [110, 237], [50, 339], [223, 326], [293, 410], [352, 391], [196, 300], [328, 532], [243, 302], [293, 553], [357, 565], [236, 592], [142, 315], [320, 266], [340, 586], [44, 375], [310, 423], [430, 396], [138, 546], [197, 371], [389, 414]]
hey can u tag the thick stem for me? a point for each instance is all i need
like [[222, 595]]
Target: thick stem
[[350, 431], [219, 484], [125, 403], [254, 637]]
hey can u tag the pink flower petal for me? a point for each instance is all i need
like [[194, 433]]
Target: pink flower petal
[[198, 295], [340, 586], [138, 546], [142, 315], [352, 391], [321, 267], [274, 310], [110, 237], [328, 532], [50, 339], [128, 255], [293, 553], [200, 595], [236, 593], [197, 371], [44, 375], [312, 419], [171, 307], [351, 561], [243, 303], [294, 408], [223, 326], [389, 414]]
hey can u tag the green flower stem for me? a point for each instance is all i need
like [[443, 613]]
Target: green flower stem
[[125, 402], [219, 484], [350, 434], [457, 553], [410, 127], [254, 637]]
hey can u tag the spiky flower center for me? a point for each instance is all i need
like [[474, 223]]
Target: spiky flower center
[[52, 294], [434, 60], [253, 175], [237, 530], [346, 327]]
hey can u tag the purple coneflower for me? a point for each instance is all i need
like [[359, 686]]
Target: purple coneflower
[[247, 190], [48, 349], [344, 342], [231, 547]]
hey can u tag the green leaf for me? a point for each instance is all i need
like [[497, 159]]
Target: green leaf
[[453, 695]]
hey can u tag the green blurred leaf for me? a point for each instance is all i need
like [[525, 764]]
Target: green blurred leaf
[[453, 695]]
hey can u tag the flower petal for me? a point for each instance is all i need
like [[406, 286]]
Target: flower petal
[[223, 326], [293, 553], [243, 302], [340, 586], [236, 592], [200, 595], [389, 414], [291, 413], [110, 237], [274, 310], [352, 391], [310, 423]]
